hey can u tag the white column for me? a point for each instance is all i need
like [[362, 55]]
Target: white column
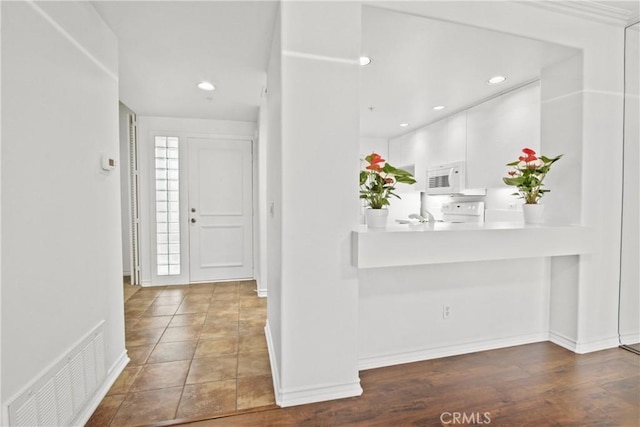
[[319, 154]]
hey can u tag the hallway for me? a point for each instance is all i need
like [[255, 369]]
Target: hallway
[[196, 351]]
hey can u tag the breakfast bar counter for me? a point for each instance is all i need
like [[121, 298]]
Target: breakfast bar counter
[[440, 243]]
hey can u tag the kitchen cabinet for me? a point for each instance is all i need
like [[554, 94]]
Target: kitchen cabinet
[[402, 149], [497, 131], [486, 137], [405, 152], [445, 141]]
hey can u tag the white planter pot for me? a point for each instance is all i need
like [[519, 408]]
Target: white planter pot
[[376, 218], [533, 214]]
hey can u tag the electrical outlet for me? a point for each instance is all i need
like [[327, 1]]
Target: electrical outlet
[[446, 311]]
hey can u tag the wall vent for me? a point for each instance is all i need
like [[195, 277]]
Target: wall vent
[[58, 396]]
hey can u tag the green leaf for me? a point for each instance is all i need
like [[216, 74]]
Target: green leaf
[[402, 172], [405, 179], [387, 168], [519, 180], [363, 177]]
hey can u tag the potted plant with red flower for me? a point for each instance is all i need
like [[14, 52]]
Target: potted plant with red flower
[[377, 185], [527, 175]]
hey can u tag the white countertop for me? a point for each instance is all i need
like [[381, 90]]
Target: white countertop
[[440, 242], [456, 226]]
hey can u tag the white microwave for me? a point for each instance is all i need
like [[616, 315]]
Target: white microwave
[[446, 179]]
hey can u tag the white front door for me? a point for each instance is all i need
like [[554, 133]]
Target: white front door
[[220, 210]]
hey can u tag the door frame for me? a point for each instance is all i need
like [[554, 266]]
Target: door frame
[[149, 128]]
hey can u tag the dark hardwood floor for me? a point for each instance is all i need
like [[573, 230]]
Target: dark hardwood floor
[[531, 385]]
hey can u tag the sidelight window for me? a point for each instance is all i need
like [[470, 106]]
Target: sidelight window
[[167, 168]]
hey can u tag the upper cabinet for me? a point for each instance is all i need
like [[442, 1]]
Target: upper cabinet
[[497, 131], [405, 152], [445, 140], [486, 136]]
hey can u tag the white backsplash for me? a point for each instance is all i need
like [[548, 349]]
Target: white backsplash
[[500, 205]]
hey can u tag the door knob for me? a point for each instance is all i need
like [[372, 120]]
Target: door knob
[[193, 220], [193, 209]]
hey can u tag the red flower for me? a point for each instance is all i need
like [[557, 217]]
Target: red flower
[[388, 180], [376, 158], [529, 158], [374, 167], [528, 151]]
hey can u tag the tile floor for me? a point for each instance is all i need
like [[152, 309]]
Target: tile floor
[[196, 351]]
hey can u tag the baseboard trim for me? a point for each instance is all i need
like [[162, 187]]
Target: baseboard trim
[[293, 397], [275, 374], [101, 392], [601, 344], [262, 293], [320, 393], [632, 338], [446, 351], [583, 347], [563, 341]]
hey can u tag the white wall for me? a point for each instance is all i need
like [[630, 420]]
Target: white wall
[[61, 240], [492, 304], [125, 187], [602, 92], [377, 145], [148, 128], [561, 133]]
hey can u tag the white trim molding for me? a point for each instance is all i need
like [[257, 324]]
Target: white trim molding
[[275, 374], [314, 57], [597, 345], [301, 396], [321, 393], [589, 9], [72, 40], [447, 351], [562, 341], [583, 347]]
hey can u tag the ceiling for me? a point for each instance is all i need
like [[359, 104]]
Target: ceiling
[[167, 47], [419, 63]]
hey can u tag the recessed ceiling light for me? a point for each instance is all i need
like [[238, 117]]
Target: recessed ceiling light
[[404, 125], [206, 86], [496, 80], [365, 60], [438, 107]]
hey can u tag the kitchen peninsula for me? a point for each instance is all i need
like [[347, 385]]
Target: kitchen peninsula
[[442, 243], [442, 289]]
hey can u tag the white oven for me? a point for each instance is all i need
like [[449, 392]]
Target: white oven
[[463, 212]]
